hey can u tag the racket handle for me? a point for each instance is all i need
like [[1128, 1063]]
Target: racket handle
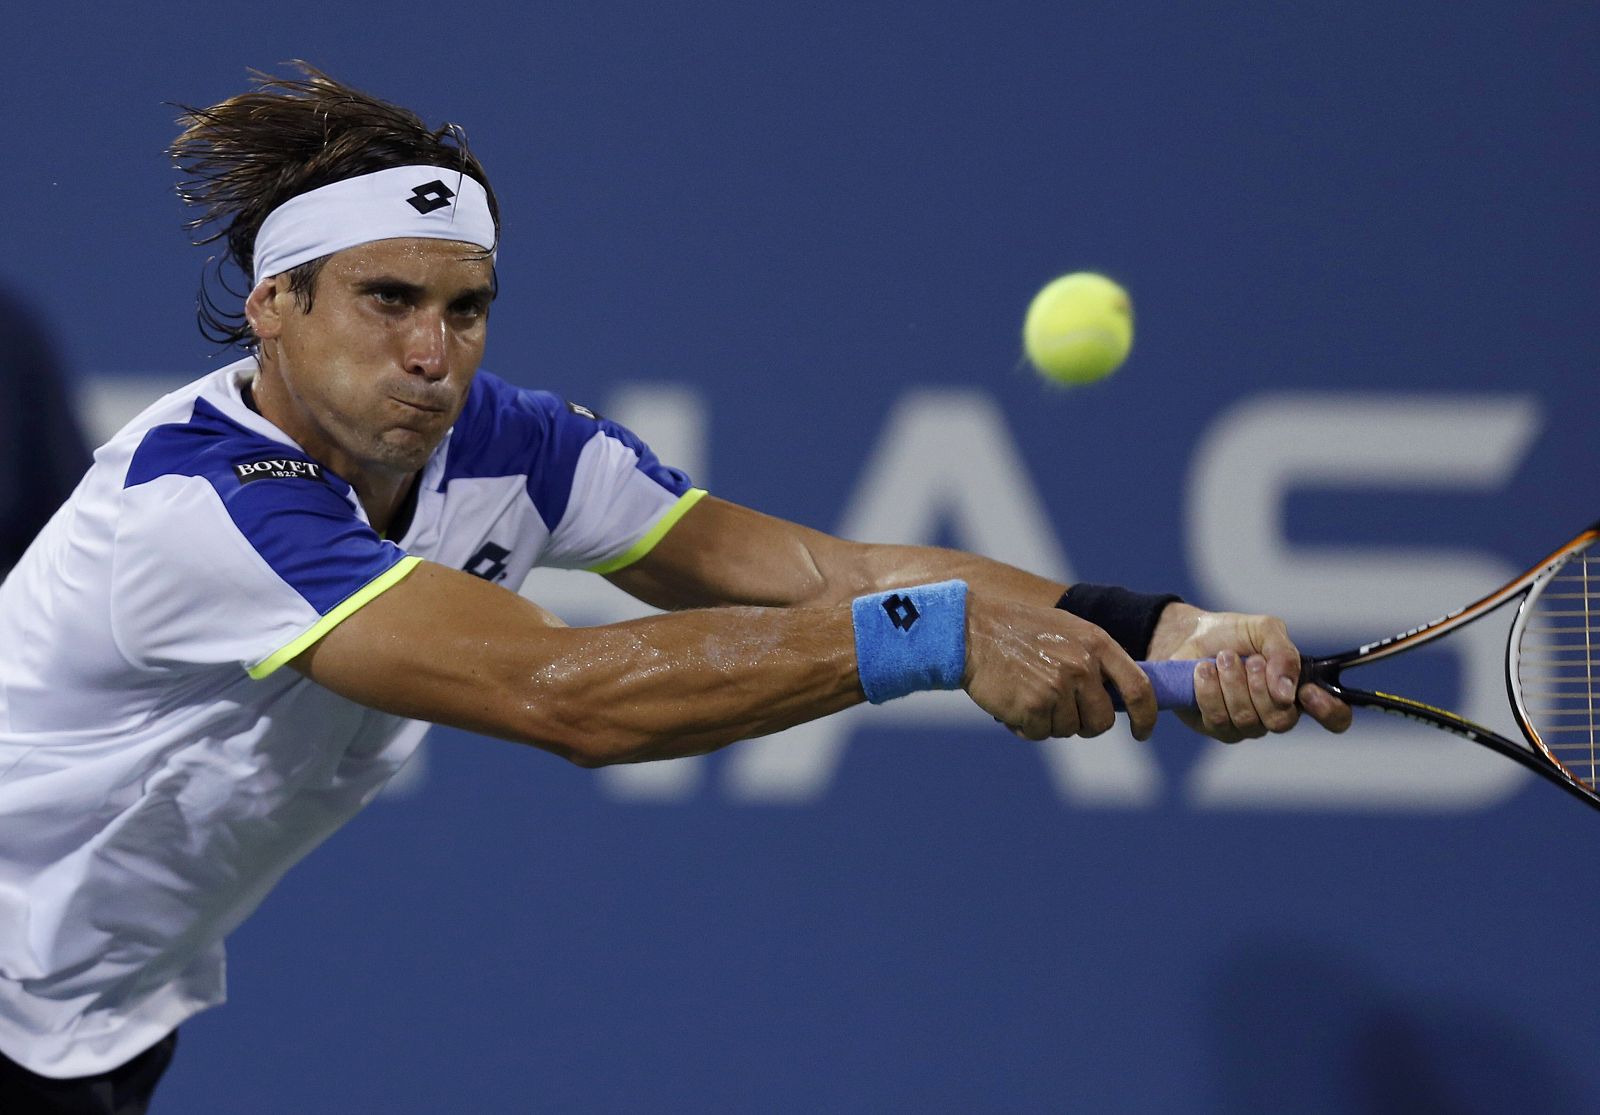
[[1173, 682]]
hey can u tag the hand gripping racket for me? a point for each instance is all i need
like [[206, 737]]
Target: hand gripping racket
[[1551, 680]]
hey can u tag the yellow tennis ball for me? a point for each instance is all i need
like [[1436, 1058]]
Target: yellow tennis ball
[[1079, 328]]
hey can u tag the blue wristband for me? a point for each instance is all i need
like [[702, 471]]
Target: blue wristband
[[911, 639]]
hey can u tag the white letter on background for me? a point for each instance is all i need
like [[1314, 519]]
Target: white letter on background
[[1333, 597]]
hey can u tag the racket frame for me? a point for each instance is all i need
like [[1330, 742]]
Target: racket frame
[[1536, 756]]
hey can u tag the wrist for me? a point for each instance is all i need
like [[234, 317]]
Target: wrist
[[1131, 618], [911, 639], [1178, 624]]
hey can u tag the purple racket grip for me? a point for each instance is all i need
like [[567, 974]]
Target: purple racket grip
[[1173, 682]]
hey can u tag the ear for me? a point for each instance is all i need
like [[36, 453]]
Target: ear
[[261, 309]]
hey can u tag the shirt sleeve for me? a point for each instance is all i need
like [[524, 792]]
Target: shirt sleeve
[[606, 496], [602, 498], [208, 569]]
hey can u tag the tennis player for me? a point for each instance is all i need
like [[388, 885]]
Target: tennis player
[[236, 629]]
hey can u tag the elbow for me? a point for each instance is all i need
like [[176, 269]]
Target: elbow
[[587, 749], [570, 721], [590, 757], [582, 737], [600, 745]]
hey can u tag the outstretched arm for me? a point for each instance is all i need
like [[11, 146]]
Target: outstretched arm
[[447, 647], [722, 553]]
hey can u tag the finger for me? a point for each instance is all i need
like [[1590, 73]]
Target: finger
[[1275, 717], [1037, 720], [1096, 714], [1012, 728], [1133, 686], [1236, 695], [1064, 717], [1034, 730], [1326, 709], [1212, 708], [1271, 638], [1193, 720]]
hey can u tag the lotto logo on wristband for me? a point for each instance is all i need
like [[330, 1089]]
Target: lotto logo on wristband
[[902, 612], [895, 660]]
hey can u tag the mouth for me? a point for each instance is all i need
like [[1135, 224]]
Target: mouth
[[424, 408]]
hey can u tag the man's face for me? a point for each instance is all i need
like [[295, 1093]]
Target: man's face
[[379, 369]]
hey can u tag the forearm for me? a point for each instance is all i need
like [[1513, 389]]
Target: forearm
[[874, 567], [723, 554], [653, 688], [668, 686]]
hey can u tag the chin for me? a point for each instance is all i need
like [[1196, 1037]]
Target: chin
[[404, 451]]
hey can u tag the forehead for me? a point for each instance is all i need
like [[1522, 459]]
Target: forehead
[[418, 260]]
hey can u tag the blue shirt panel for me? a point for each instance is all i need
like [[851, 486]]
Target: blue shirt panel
[[512, 431], [306, 530]]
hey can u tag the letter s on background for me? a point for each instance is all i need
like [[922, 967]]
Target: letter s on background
[[1244, 467]]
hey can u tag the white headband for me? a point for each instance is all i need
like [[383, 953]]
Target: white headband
[[427, 201]]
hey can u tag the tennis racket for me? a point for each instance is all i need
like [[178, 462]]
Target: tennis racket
[[1551, 680]]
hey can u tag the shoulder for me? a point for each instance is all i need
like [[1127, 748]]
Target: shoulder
[[228, 455], [213, 507], [504, 430], [495, 407]]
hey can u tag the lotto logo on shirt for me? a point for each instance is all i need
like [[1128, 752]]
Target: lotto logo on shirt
[[278, 469]]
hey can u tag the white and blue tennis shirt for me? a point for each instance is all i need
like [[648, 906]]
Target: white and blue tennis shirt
[[158, 771]]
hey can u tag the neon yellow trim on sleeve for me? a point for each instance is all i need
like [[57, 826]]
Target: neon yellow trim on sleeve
[[654, 535], [341, 612]]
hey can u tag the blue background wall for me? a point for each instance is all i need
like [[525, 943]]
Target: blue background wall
[[793, 243]]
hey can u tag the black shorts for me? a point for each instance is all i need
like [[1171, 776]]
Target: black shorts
[[125, 1090]]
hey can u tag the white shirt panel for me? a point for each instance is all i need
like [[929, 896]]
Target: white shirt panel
[[514, 526], [611, 500]]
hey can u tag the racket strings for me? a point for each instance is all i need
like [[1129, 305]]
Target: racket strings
[[1558, 658]]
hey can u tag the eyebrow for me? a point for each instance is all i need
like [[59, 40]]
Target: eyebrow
[[484, 294], [388, 282]]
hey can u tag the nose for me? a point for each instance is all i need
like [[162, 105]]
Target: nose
[[425, 346]]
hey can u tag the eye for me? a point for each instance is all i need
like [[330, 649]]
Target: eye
[[470, 309]]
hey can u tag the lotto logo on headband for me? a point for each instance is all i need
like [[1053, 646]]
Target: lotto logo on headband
[[430, 196]]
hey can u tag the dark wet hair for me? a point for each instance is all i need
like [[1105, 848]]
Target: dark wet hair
[[246, 156]]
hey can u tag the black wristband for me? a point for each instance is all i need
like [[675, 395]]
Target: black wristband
[[1128, 617]]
